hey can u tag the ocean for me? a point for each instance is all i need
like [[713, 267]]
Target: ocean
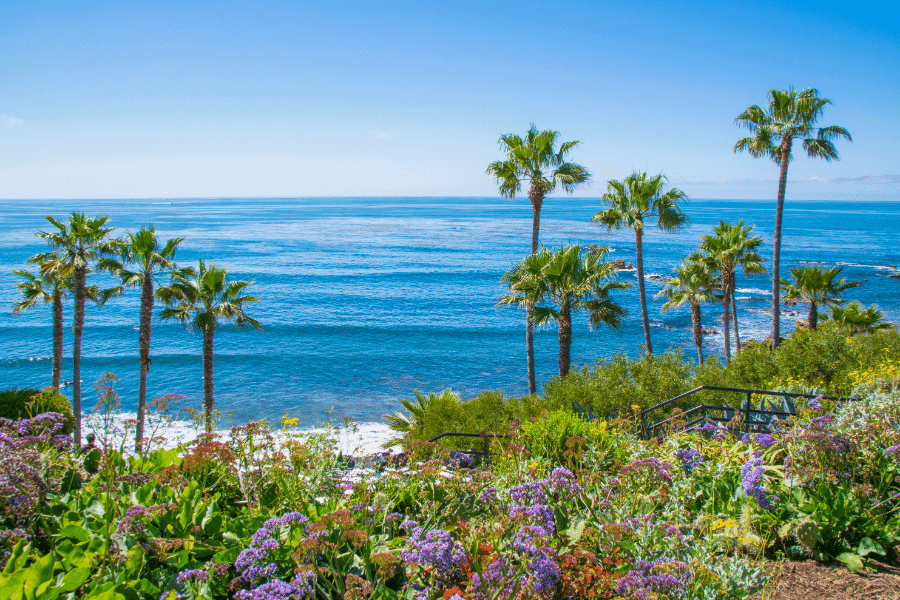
[[364, 300]]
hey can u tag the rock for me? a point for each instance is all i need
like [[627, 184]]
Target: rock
[[630, 266], [894, 276], [705, 331], [618, 264], [801, 324]]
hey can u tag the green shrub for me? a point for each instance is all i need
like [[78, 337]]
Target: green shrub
[[25, 403], [615, 387], [491, 412]]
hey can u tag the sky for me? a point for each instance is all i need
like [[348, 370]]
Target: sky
[[225, 98]]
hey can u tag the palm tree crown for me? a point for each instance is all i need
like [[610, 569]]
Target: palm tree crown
[[632, 201], [80, 242], [51, 286], [537, 160], [860, 320], [692, 284], [557, 283], [791, 115], [817, 287], [729, 247], [200, 298], [142, 250]]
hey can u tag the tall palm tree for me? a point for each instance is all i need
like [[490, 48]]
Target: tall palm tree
[[80, 242], [692, 284], [631, 202], [151, 260], [791, 115], [557, 283], [816, 286], [51, 286], [729, 247], [858, 320], [201, 297], [535, 159]]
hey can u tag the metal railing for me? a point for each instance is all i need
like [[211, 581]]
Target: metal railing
[[486, 441], [747, 413]]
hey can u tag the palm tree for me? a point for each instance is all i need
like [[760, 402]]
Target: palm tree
[[791, 115], [728, 248], [858, 320], [50, 287], [692, 284], [535, 159], [80, 241], [632, 201], [415, 423], [816, 286], [142, 250], [201, 297], [557, 283]]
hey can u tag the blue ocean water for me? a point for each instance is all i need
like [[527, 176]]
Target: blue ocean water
[[364, 300]]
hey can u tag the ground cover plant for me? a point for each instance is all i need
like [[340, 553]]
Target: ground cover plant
[[565, 508]]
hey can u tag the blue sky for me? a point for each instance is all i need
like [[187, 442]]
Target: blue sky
[[206, 99]]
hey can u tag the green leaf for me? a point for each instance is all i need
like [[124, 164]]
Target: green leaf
[[853, 561], [75, 532], [38, 573], [12, 585], [73, 579], [869, 546], [134, 562]]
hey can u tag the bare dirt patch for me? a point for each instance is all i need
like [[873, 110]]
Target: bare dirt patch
[[813, 581]]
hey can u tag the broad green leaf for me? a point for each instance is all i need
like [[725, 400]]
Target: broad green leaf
[[853, 561], [76, 532], [869, 546], [73, 579], [11, 585], [39, 573]]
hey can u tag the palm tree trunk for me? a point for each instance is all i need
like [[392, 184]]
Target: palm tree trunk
[[208, 378], [565, 339], [698, 329], [536, 195], [144, 349], [726, 302], [776, 243], [737, 338], [77, 330], [638, 233], [57, 337], [813, 315], [529, 350]]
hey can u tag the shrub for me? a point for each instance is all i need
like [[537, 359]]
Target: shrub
[[24, 403], [491, 411], [614, 388]]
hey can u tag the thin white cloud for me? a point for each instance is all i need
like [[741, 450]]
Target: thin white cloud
[[8, 121], [382, 135]]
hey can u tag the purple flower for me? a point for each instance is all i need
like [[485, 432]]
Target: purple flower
[[660, 578], [815, 403], [192, 575], [689, 458], [489, 495], [892, 450], [393, 517], [752, 473], [437, 549], [541, 515]]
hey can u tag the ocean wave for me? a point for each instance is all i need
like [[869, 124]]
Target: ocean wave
[[881, 267], [754, 291]]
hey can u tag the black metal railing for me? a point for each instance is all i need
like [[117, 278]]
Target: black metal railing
[[486, 441], [752, 420]]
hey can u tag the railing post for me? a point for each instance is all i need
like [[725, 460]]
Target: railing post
[[644, 433], [747, 413]]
